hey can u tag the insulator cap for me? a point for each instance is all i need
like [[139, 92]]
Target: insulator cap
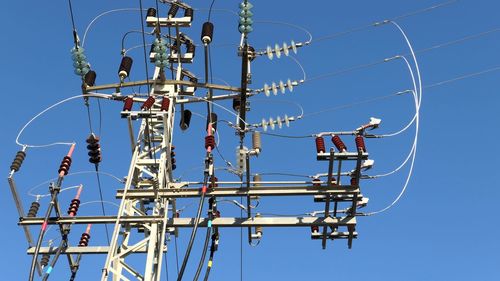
[[165, 104], [35, 206], [127, 104], [90, 78], [360, 143], [256, 141], [18, 161], [125, 67], [212, 118], [320, 145], [339, 144], [151, 12], [210, 142], [207, 32], [148, 103], [185, 119], [172, 12]]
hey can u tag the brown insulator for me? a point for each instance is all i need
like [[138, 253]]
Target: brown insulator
[[207, 32], [314, 229], [44, 261], [65, 165], [165, 104], [89, 78], [320, 145], [339, 144], [151, 12], [316, 182], [210, 142], [18, 161], [73, 207], [360, 143], [189, 12], [84, 240], [213, 179], [35, 206], [172, 12], [127, 104], [354, 182], [185, 119], [190, 47], [148, 103], [94, 149], [125, 67]]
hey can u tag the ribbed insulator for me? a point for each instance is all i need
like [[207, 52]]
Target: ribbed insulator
[[320, 145], [94, 149], [73, 207], [84, 240], [256, 141], [18, 161], [172, 12], [65, 165], [165, 104], [339, 144], [189, 12], [127, 104], [125, 67], [172, 157], [151, 12], [210, 142], [148, 103], [212, 118], [213, 179], [207, 32], [314, 229], [44, 261], [89, 78], [35, 206], [185, 119], [316, 182], [360, 143]]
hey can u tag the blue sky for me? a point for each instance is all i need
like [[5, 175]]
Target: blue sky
[[444, 226]]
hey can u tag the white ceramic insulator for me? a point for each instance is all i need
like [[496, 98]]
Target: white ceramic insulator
[[280, 123], [285, 49], [275, 89], [266, 90], [271, 123], [287, 121], [241, 158], [282, 87], [277, 50], [264, 124], [270, 52], [290, 85], [256, 141], [294, 47]]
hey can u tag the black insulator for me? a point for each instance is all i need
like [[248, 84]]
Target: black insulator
[[44, 261], [90, 78], [125, 67], [18, 161], [165, 104], [314, 228], [213, 179], [189, 12], [190, 47], [339, 144], [207, 32], [151, 12], [354, 182], [173, 10], [210, 142], [148, 103], [84, 240], [35, 206], [236, 104], [320, 145], [65, 165], [360, 143], [73, 207], [185, 119], [172, 157], [127, 104], [94, 149], [212, 118]]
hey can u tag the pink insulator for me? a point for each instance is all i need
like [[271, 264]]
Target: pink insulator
[[148, 103], [320, 145], [165, 104], [360, 143], [339, 144], [127, 104]]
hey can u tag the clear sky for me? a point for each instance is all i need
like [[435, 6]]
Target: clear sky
[[443, 228]]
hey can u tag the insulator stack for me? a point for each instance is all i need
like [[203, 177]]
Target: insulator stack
[[161, 56], [79, 61], [258, 229], [44, 261], [189, 12], [84, 240], [246, 22], [185, 119], [73, 207], [90, 78], [316, 182], [213, 179], [172, 12], [320, 145], [210, 142], [314, 229], [151, 12], [148, 103], [35, 206], [270, 51], [256, 141], [125, 67], [279, 121], [281, 86], [339, 144], [18, 161], [207, 33], [360, 143], [212, 119], [65, 165], [172, 157], [165, 104], [94, 149], [127, 104]]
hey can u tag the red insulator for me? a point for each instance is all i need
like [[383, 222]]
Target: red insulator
[[339, 144], [213, 179], [316, 182], [94, 149], [360, 143], [320, 145], [127, 104], [65, 165], [148, 103], [314, 228], [165, 104], [354, 182], [73, 207], [84, 240], [210, 142]]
